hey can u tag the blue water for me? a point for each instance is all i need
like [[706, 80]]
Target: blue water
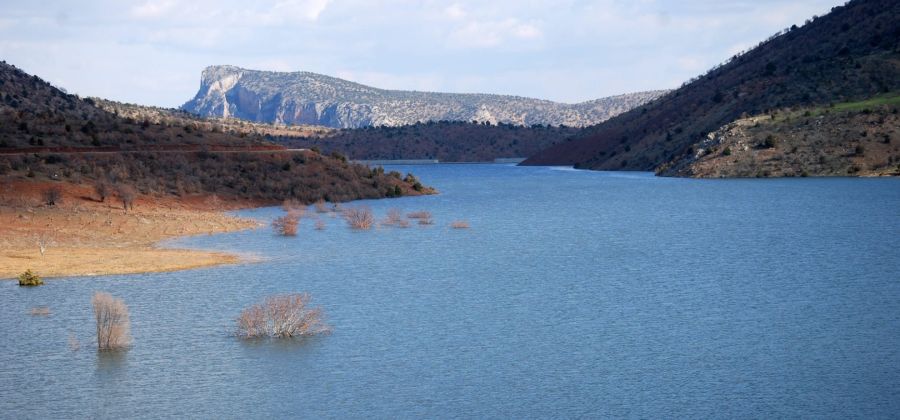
[[574, 294]]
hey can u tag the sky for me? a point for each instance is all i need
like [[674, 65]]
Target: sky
[[151, 52]]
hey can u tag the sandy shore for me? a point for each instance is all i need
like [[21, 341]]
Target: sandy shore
[[84, 236]]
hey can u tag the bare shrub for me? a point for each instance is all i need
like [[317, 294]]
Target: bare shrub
[[282, 316], [74, 344], [421, 214], [393, 218], [459, 224], [213, 201], [52, 196], [127, 195], [103, 190], [403, 223], [113, 326], [320, 206], [293, 205], [44, 240], [359, 217], [424, 217], [40, 311], [286, 225], [320, 224]]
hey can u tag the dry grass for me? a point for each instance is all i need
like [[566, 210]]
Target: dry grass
[[113, 325], [282, 316], [94, 238], [460, 224], [360, 218]]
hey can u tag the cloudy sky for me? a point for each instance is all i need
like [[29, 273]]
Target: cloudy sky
[[152, 51]]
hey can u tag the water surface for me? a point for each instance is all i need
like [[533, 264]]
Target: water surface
[[574, 294]]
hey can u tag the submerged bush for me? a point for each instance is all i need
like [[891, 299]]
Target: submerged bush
[[30, 279], [424, 217], [459, 224], [359, 218], [287, 225], [113, 326], [281, 316]]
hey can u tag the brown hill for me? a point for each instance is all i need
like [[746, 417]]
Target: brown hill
[[852, 53], [48, 135]]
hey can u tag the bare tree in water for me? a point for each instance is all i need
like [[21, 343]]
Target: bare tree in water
[[113, 326]]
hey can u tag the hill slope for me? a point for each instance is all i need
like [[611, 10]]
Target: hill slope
[[447, 141], [48, 135], [314, 99], [846, 139], [850, 54]]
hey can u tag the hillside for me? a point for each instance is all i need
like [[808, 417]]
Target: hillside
[[181, 118], [446, 141], [48, 135], [314, 99], [851, 54], [846, 139]]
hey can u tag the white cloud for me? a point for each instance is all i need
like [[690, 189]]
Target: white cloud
[[455, 11], [294, 10], [152, 9], [487, 34], [199, 12]]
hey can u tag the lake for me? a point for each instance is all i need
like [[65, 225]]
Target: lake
[[573, 294]]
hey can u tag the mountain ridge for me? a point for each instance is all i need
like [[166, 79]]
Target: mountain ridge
[[304, 97]]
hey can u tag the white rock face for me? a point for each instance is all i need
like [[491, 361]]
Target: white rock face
[[309, 98]]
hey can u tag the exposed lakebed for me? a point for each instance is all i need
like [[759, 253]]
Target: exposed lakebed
[[573, 294]]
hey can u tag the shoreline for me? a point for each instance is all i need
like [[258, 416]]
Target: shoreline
[[86, 237]]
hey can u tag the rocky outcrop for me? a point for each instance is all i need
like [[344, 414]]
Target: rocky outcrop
[[309, 98]]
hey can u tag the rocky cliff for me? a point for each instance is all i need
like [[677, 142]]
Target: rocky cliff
[[309, 98]]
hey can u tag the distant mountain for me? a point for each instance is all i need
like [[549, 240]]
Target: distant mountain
[[314, 99], [851, 54]]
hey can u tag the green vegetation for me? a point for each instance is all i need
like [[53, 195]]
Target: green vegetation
[[888, 99], [30, 279]]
